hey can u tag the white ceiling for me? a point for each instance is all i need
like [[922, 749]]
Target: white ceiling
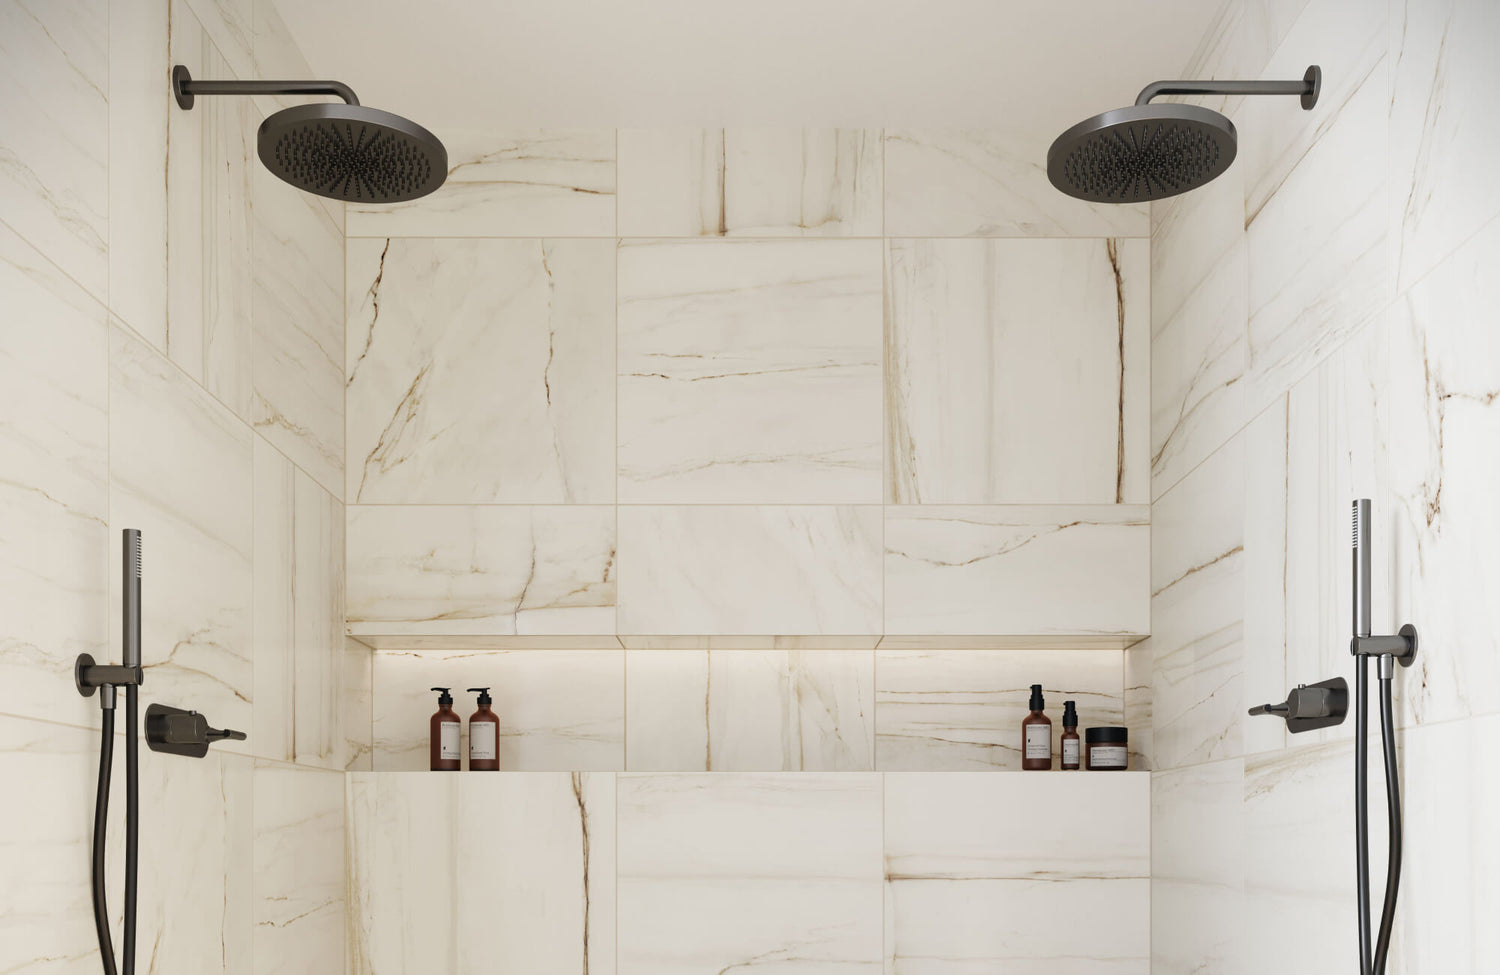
[[1035, 64]]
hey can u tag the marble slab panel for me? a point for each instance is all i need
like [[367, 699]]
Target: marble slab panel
[[773, 870], [750, 182], [962, 709], [1139, 718], [741, 569], [989, 182], [501, 569], [54, 449], [1016, 569], [749, 372], [1197, 868], [298, 870], [181, 471], [480, 371], [54, 153], [749, 710], [559, 710], [1016, 371], [509, 183], [230, 25], [358, 705]]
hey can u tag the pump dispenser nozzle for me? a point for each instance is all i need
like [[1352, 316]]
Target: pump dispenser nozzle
[[1037, 704], [445, 698], [484, 696]]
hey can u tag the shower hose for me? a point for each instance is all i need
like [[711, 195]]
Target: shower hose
[[132, 834], [1374, 963]]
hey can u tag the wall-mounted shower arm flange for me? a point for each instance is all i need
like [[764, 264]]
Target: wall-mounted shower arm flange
[[185, 88], [1308, 88], [105, 678]]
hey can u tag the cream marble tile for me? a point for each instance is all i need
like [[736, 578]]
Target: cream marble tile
[[297, 300], [772, 869], [521, 183], [794, 569], [776, 341], [991, 182], [750, 182], [1267, 492], [54, 154], [54, 449], [559, 710], [181, 472], [1197, 868], [1016, 371], [962, 709], [457, 569], [237, 792], [275, 652], [230, 25], [358, 706], [480, 371], [1197, 613], [299, 869], [749, 710], [1137, 705], [1013, 569]]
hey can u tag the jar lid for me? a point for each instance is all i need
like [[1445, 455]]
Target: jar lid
[[1106, 735]]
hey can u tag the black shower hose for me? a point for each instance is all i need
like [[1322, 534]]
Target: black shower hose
[[132, 833], [1374, 964]]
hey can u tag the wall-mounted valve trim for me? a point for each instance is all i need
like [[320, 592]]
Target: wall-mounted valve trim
[[1312, 706], [178, 732]]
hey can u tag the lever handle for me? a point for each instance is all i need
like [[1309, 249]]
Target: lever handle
[[1311, 706], [179, 732], [221, 734], [1270, 709]]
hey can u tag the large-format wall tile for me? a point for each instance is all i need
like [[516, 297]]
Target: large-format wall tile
[[1139, 660], [735, 569], [480, 371], [966, 896], [54, 449], [425, 892], [1065, 569], [456, 569], [1197, 612], [773, 870], [54, 153], [230, 25], [559, 710], [750, 182], [181, 472], [1197, 868], [298, 870], [1016, 371], [949, 183], [749, 710], [358, 706], [527, 183], [298, 340], [962, 709], [749, 372]]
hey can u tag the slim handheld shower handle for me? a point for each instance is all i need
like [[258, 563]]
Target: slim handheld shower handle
[[1361, 553], [131, 598]]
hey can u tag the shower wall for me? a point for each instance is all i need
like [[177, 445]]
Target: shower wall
[[169, 361], [1322, 330]]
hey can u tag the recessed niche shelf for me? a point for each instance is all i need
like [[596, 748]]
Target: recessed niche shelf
[[512, 641]]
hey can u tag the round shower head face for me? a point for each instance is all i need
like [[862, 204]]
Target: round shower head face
[[1141, 153], [352, 153]]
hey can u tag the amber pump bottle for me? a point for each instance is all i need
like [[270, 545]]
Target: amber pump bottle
[[447, 731], [1071, 744], [484, 735], [1036, 735]]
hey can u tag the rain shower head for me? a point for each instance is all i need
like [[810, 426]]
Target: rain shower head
[[1150, 152], [344, 152]]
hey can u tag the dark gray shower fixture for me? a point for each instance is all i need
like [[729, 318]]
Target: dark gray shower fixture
[[345, 152], [1150, 152]]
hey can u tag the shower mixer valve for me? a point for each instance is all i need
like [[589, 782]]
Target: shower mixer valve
[[1312, 706]]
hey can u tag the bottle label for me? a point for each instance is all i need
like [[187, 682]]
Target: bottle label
[[1039, 742], [1107, 756], [1070, 751], [482, 741], [448, 741]]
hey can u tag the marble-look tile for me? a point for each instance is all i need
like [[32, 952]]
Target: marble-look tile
[[793, 569], [773, 870], [1267, 492], [1137, 700], [1197, 868], [456, 569], [522, 183], [298, 334], [749, 710], [54, 449], [1443, 77], [1016, 371], [230, 26], [358, 706], [1017, 569], [750, 182], [54, 153], [558, 709], [181, 471], [953, 183], [964, 896], [425, 894], [480, 371], [962, 709], [776, 341], [298, 870], [1197, 613], [299, 615], [1444, 528]]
